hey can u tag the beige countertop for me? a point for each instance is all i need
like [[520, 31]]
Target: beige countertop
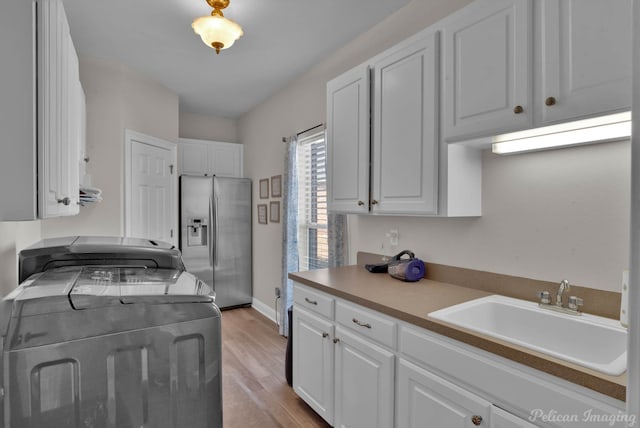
[[411, 302]]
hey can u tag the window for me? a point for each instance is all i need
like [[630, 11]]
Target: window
[[313, 245]]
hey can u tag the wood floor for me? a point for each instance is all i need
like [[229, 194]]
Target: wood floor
[[254, 389]]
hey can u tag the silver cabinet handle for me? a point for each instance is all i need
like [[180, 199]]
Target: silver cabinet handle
[[65, 201], [311, 302], [366, 325]]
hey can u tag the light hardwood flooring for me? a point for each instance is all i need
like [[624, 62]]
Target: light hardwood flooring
[[254, 388]]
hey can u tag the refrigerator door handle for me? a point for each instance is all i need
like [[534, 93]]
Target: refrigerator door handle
[[215, 228], [210, 241]]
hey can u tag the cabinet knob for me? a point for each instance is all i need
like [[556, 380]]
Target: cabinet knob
[[325, 334], [477, 420], [360, 203], [518, 109], [65, 201], [374, 202], [336, 340], [550, 101]]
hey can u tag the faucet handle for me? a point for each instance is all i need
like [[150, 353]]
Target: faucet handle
[[574, 303], [545, 297]]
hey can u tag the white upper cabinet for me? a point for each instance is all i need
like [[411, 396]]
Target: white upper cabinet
[[383, 133], [201, 157], [584, 58], [58, 113], [41, 112], [348, 141], [487, 77], [405, 130]]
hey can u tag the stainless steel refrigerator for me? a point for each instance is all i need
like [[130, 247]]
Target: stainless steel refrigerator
[[215, 235]]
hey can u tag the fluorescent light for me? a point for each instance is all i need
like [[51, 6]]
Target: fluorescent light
[[597, 129]]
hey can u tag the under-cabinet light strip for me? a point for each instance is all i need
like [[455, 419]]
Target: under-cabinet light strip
[[599, 129]]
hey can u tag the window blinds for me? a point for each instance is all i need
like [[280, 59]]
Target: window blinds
[[312, 200]]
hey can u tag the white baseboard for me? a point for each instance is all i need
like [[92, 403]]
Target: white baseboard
[[266, 310]]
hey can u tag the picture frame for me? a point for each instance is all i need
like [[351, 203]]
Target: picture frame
[[262, 214], [264, 188], [274, 211], [276, 186]]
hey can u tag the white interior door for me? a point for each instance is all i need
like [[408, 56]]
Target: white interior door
[[151, 202]]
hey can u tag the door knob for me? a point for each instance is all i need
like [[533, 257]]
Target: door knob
[[477, 420], [550, 101], [65, 201], [518, 109]]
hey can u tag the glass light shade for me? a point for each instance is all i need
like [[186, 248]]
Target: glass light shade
[[217, 31]]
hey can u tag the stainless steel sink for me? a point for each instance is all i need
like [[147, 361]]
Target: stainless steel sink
[[590, 341]]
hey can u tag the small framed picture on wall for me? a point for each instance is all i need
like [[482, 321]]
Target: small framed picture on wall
[[264, 188], [262, 213], [276, 186], [274, 211]]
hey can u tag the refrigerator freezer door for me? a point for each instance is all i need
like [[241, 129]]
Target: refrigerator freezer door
[[232, 241], [195, 226]]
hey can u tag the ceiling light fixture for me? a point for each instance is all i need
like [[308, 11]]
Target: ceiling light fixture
[[217, 31], [598, 129]]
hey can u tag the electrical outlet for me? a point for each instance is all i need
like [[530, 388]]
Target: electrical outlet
[[277, 292]]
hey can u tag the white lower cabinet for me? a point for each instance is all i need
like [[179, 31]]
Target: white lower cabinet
[[313, 362], [503, 419], [363, 382], [359, 368], [424, 400]]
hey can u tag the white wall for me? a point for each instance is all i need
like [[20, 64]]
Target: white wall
[[301, 105], [205, 127], [118, 98]]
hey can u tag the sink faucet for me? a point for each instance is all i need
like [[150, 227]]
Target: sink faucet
[[573, 304], [564, 286]]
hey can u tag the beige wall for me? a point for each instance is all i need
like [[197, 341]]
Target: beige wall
[[205, 127], [118, 98], [301, 105], [14, 236], [548, 215]]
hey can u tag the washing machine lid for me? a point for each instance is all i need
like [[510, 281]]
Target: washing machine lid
[[83, 287]]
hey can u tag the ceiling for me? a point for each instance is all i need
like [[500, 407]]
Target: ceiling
[[282, 39]]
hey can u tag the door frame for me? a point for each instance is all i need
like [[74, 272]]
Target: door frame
[[129, 137]]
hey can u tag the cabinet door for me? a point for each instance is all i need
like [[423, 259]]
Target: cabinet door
[[503, 419], [193, 158], [488, 82], [224, 159], [57, 69], [363, 383], [405, 130], [428, 401], [585, 65], [348, 141], [313, 362]]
